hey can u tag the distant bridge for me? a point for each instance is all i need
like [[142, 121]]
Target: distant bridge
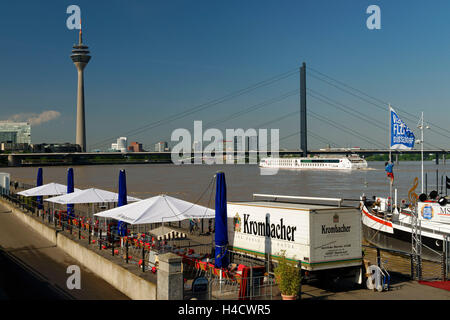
[[78, 158]]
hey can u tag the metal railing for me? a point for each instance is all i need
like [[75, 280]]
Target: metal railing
[[135, 249], [248, 288], [402, 264], [141, 250]]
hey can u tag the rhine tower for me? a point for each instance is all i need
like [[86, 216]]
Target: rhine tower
[[80, 57]]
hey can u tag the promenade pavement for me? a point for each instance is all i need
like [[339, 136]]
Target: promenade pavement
[[32, 267]]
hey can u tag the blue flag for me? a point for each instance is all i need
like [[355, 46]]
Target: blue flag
[[401, 136]]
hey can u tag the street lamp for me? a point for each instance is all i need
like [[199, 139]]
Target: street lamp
[[421, 142]]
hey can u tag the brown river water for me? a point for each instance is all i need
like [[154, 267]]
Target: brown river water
[[194, 182]]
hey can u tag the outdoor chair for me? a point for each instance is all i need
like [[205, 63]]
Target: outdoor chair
[[238, 277], [152, 258], [217, 271], [228, 275], [203, 267], [197, 267]]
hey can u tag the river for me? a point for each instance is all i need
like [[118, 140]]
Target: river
[[193, 182]]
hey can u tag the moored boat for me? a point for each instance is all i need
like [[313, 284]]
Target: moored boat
[[393, 227], [315, 163]]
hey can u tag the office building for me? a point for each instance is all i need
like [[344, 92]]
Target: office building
[[135, 147], [15, 132], [161, 146], [122, 144]]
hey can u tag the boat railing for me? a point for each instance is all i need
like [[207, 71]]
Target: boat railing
[[275, 197]]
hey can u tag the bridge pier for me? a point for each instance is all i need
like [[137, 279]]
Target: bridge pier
[[68, 160], [14, 161]]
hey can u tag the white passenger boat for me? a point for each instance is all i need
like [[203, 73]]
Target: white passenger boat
[[316, 163]]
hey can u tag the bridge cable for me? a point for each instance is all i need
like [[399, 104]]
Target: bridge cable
[[379, 124], [250, 109], [347, 130], [204, 106], [369, 96]]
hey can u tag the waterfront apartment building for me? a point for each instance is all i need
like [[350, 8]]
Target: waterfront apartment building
[[15, 132], [244, 144], [120, 145], [135, 147], [161, 146]]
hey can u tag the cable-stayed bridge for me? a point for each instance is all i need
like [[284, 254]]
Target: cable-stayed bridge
[[370, 114], [370, 122]]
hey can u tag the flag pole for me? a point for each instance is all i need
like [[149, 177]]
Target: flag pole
[[390, 133], [390, 155], [421, 144]]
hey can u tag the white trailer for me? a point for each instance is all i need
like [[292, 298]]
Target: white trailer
[[319, 236]]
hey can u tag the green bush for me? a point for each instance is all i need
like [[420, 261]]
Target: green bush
[[288, 276]]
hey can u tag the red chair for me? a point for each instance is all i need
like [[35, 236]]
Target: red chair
[[226, 274], [241, 267]]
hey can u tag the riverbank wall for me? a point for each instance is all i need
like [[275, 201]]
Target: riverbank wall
[[122, 277]]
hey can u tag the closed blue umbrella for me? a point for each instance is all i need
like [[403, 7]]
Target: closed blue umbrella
[[122, 226], [39, 183], [221, 233], [70, 187]]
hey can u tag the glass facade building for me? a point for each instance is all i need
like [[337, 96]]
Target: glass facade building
[[15, 132]]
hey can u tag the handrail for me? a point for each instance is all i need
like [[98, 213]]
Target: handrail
[[338, 200]]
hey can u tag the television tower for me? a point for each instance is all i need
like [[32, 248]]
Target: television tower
[[80, 57]]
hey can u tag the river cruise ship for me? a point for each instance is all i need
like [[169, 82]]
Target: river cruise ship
[[316, 163]]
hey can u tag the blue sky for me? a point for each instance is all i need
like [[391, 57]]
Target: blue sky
[[154, 59]]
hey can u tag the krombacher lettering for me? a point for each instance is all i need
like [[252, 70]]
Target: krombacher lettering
[[267, 229], [335, 229]]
